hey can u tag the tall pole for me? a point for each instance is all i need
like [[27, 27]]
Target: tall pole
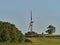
[[31, 23]]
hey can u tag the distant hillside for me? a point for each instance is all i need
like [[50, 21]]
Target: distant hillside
[[9, 32]]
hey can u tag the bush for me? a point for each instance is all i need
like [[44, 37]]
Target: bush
[[9, 32], [27, 40]]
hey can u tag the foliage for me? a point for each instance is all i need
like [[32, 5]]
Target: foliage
[[31, 33], [9, 32], [37, 41], [27, 40], [51, 29]]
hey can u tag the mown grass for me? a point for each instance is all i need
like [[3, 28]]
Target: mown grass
[[37, 41]]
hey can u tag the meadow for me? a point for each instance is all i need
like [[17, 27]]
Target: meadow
[[37, 41]]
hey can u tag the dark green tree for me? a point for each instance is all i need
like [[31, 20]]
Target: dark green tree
[[51, 29], [9, 32], [31, 34]]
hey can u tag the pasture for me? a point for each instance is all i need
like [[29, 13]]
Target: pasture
[[37, 41]]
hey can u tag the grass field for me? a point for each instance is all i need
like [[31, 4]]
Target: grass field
[[37, 41]]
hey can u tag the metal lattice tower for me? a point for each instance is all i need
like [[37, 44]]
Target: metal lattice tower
[[31, 23]]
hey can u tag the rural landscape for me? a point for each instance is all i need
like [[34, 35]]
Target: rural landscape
[[29, 22], [10, 35]]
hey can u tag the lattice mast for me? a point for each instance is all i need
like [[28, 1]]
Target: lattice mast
[[31, 23]]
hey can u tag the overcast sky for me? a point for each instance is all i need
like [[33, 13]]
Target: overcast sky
[[45, 13]]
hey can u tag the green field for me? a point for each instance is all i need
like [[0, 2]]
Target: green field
[[37, 41]]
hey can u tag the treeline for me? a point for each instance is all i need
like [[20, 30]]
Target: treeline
[[9, 32]]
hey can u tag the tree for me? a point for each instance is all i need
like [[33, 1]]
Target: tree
[[51, 29], [9, 32], [31, 34]]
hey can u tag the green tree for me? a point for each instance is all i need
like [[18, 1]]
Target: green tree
[[31, 34], [9, 32], [51, 29]]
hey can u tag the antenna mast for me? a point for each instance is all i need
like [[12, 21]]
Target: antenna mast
[[31, 23]]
